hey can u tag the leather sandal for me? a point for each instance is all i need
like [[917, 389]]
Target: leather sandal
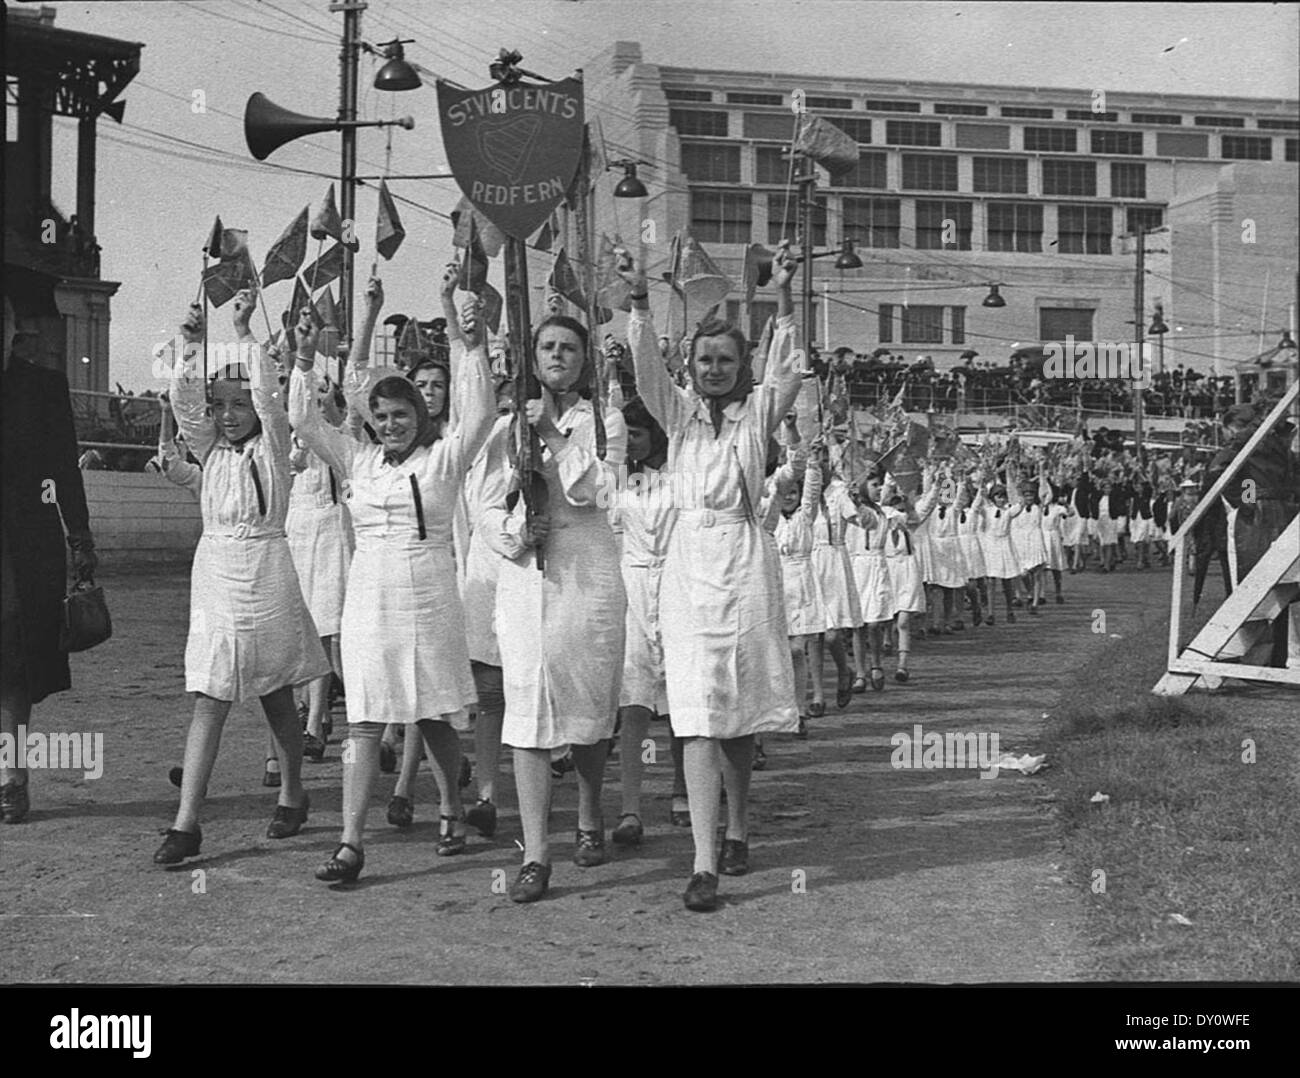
[[483, 817], [288, 821], [817, 709], [178, 845], [844, 692], [629, 831], [401, 812], [735, 857], [878, 679], [336, 870], [702, 893], [450, 843], [590, 849], [533, 881]]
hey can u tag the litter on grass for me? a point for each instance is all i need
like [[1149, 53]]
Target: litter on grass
[[1026, 764]]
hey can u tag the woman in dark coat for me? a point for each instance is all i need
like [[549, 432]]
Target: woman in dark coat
[[40, 480]]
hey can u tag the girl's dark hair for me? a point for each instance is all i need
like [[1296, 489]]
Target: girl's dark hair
[[587, 376], [434, 365], [635, 414], [395, 387], [715, 327]]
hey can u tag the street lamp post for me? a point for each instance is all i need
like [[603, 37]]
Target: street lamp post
[[349, 55]]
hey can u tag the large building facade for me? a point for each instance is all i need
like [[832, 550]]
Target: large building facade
[[962, 187]]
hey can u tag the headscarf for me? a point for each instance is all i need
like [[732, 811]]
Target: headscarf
[[397, 387], [744, 377]]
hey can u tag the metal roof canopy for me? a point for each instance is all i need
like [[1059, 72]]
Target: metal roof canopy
[[85, 71]]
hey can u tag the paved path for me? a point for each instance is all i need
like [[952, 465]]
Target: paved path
[[860, 872]]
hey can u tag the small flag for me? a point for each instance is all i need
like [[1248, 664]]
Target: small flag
[[474, 263], [699, 277], [234, 244], [326, 221], [493, 305], [287, 253], [611, 290], [327, 343], [410, 341], [213, 247], [225, 279], [758, 270], [549, 233], [389, 232], [491, 237], [564, 280], [596, 149], [301, 299], [826, 144], [329, 267]]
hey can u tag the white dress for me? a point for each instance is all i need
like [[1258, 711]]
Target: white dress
[[1027, 537], [250, 630], [1054, 520], [831, 562], [319, 538], [482, 564], [949, 565], [1000, 559], [805, 613], [1107, 525], [1074, 530], [903, 564], [866, 547], [726, 648], [561, 629], [970, 524], [402, 638], [644, 517]]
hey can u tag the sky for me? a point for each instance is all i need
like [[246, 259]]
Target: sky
[[157, 197]]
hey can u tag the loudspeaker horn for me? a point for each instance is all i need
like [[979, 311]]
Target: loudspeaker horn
[[267, 126]]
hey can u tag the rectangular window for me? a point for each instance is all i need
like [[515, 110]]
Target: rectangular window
[[984, 136], [768, 125], [676, 94], [942, 225], [871, 222], [1218, 121], [722, 216], [1088, 115], [11, 108], [1069, 177], [754, 99], [783, 219], [1278, 125], [1084, 230], [869, 172], [1128, 179], [1051, 139], [886, 105], [1179, 144], [922, 325], [856, 128], [945, 108], [771, 165], [1247, 148], [929, 172], [1027, 112], [885, 329], [711, 162], [1143, 218], [1057, 323], [1000, 175], [913, 133], [698, 122], [1117, 142], [1292, 145], [958, 325], [1015, 226], [1154, 118], [828, 102]]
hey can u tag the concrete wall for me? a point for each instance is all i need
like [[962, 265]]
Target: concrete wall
[[140, 516]]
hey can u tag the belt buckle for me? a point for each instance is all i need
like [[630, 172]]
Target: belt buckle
[[708, 520], [241, 531]]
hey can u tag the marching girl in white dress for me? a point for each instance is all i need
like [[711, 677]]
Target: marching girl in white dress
[[1074, 530], [320, 541], [970, 524], [870, 535], [1027, 538], [560, 627], [949, 565], [1000, 558], [251, 634], [1056, 517], [903, 568], [793, 516], [405, 657], [722, 603], [837, 588]]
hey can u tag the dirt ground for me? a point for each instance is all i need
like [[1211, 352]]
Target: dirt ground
[[860, 872]]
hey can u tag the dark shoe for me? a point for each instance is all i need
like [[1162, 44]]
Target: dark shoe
[[533, 881], [680, 817], [590, 849], [844, 692], [1017, 602], [901, 675], [313, 748], [989, 620], [387, 758], [336, 870], [14, 804], [466, 773], [859, 685], [562, 766], [1011, 618], [817, 709], [177, 846], [176, 776], [759, 762], [303, 712], [702, 892], [958, 626], [802, 732], [483, 817], [327, 728], [269, 777], [1060, 599], [401, 813], [287, 821], [735, 857], [1033, 612], [450, 843], [877, 679], [629, 831]]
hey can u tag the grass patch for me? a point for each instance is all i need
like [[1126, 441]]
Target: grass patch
[[1190, 828]]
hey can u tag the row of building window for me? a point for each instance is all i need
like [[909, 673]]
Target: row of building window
[[1022, 112], [766, 125], [912, 324], [719, 162], [941, 224]]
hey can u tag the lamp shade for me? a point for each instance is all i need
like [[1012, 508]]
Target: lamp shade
[[848, 258], [396, 74], [629, 186], [994, 298]]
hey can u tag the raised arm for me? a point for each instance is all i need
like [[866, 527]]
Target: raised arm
[[332, 446], [472, 388], [188, 393], [359, 357], [268, 399], [664, 399], [786, 364]]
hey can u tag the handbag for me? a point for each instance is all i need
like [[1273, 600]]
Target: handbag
[[85, 618]]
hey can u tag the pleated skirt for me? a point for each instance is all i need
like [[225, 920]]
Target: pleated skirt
[[906, 590], [875, 596], [322, 553], [835, 585]]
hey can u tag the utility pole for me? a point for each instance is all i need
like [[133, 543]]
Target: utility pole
[[807, 188], [1139, 309], [349, 56]]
